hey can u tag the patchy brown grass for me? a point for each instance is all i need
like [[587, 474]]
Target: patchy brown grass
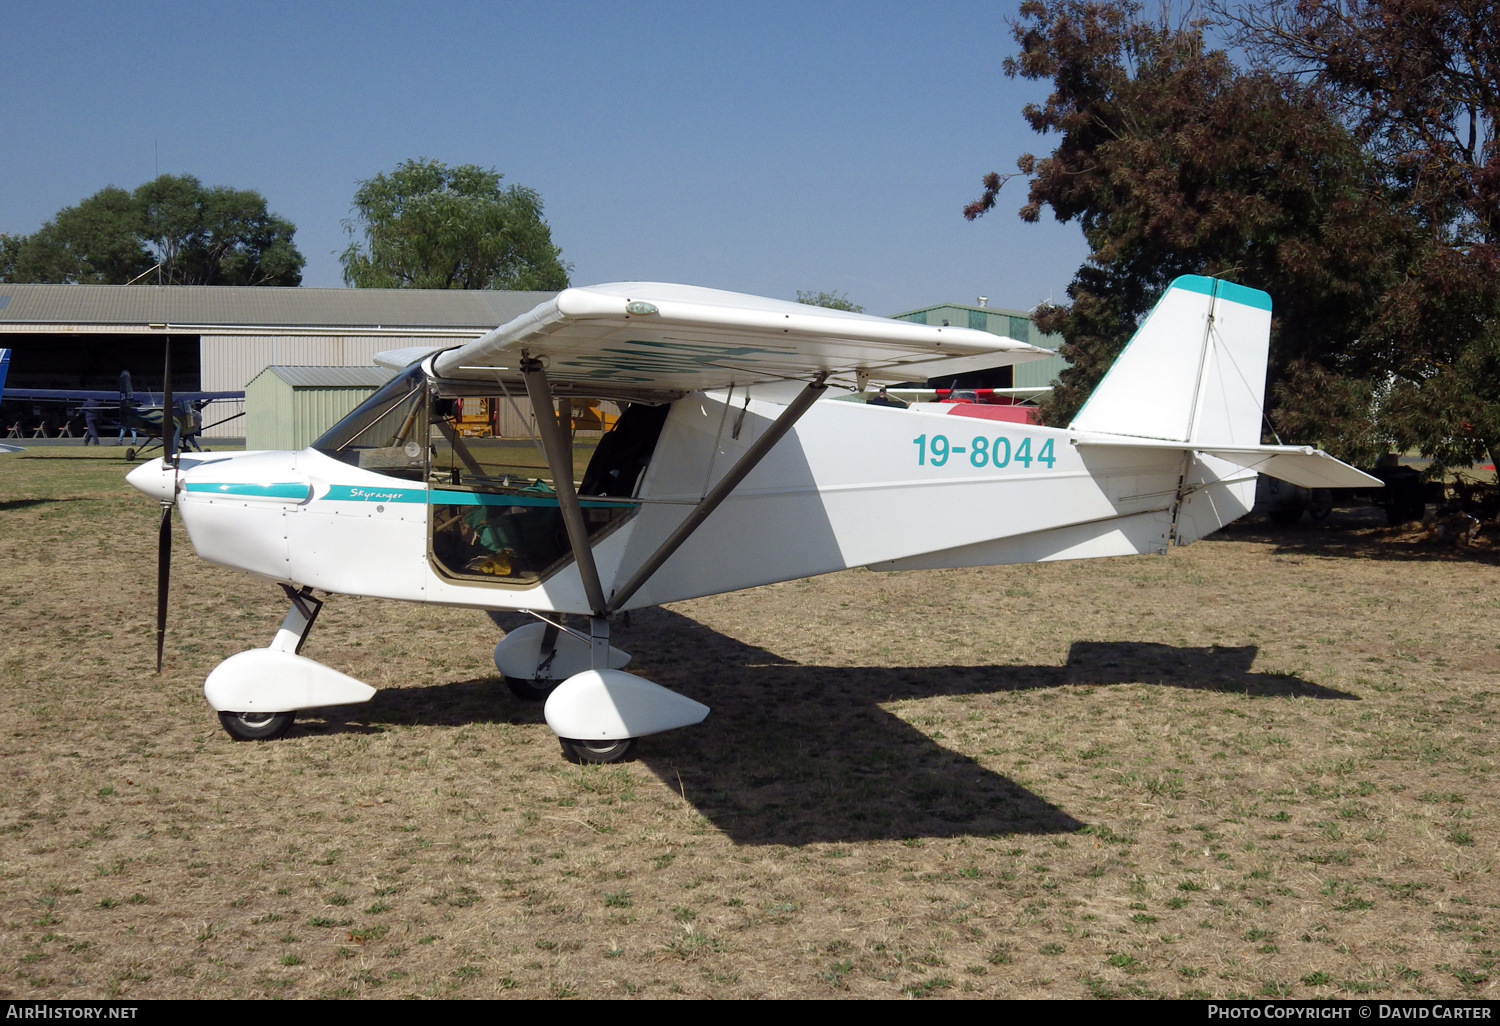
[[1263, 765]]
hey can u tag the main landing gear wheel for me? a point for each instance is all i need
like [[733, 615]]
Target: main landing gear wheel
[[596, 751], [531, 690], [256, 726], [129, 455]]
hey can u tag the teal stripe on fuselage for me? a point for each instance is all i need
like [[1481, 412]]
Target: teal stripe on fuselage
[[260, 491], [446, 497], [441, 497]]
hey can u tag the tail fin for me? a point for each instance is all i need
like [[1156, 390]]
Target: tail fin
[[1195, 371], [1194, 379]]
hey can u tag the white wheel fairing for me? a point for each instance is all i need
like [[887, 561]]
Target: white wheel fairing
[[520, 651], [265, 680], [612, 705]]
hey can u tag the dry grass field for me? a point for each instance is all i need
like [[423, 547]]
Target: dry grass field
[[1264, 765]]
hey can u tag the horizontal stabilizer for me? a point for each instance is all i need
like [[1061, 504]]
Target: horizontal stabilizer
[[1301, 465]]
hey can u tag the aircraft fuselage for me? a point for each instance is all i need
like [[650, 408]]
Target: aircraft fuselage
[[851, 485]]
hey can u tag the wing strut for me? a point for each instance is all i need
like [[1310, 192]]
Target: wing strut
[[720, 491], [560, 461]]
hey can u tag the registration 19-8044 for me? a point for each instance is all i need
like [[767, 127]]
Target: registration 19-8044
[[982, 452]]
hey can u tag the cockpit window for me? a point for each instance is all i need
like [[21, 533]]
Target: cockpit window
[[495, 515], [385, 433]]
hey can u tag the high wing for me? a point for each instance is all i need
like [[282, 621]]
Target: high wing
[[685, 338]]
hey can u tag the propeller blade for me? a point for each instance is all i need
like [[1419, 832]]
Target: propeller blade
[[163, 576], [168, 412], [164, 532]]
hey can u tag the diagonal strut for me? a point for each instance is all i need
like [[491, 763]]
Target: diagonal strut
[[560, 461], [720, 491]]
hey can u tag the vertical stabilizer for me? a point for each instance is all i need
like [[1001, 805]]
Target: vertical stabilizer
[[1195, 371], [4, 366]]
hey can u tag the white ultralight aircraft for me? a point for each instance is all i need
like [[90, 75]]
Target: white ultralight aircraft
[[729, 466]]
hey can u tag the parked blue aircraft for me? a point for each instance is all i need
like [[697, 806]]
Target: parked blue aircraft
[[137, 412]]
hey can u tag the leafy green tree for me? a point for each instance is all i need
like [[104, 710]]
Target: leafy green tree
[[198, 236], [99, 241], [1419, 82], [1352, 171], [428, 226], [830, 300], [1174, 161], [217, 236]]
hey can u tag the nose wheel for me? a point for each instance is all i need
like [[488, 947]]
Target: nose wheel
[[256, 726], [596, 751]]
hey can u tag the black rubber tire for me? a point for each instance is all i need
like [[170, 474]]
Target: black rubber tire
[[257, 726], [596, 751], [129, 455], [531, 690]]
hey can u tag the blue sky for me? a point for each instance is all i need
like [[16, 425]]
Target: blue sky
[[761, 147]]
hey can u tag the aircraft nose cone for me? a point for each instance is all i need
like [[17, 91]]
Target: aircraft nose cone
[[153, 479]]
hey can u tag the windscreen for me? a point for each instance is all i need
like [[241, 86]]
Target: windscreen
[[386, 432]]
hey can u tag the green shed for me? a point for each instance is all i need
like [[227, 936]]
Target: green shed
[[289, 407], [1014, 324]]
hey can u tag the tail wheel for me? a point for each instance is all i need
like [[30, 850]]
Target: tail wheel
[[256, 726], [596, 751]]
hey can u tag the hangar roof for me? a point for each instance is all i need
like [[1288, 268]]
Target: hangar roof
[[204, 307], [332, 377]]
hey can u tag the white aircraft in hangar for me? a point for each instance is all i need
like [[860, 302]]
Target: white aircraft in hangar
[[731, 465]]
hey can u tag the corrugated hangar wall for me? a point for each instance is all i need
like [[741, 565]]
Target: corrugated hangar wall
[[234, 331]]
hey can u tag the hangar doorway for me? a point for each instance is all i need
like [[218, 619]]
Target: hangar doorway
[[91, 362]]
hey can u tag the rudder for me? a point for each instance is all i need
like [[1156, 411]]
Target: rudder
[[1194, 372]]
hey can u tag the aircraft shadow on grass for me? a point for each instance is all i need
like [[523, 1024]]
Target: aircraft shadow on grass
[[1356, 534], [8, 505], [92, 456], [795, 754]]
